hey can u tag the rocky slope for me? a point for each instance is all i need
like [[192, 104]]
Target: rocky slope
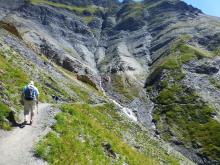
[[166, 46], [125, 142]]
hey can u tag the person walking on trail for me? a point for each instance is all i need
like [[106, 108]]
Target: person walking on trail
[[29, 97]]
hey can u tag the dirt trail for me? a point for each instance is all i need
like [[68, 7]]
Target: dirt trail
[[16, 146]]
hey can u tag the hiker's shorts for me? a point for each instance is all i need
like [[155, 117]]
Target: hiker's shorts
[[29, 106]]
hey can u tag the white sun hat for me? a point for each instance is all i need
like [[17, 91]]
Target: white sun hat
[[31, 83]]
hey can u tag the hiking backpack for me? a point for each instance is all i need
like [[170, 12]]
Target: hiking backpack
[[29, 93]]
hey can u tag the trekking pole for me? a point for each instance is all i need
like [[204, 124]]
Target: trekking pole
[[37, 107]]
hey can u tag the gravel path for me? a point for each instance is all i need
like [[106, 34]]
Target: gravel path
[[16, 146]]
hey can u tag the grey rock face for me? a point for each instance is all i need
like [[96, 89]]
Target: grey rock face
[[139, 107], [11, 4], [130, 24], [205, 64], [177, 6], [206, 69], [210, 41], [109, 23], [59, 35], [205, 81]]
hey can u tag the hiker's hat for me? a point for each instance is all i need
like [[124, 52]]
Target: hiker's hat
[[31, 83]]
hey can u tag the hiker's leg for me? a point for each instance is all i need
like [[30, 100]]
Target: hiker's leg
[[26, 111], [33, 106]]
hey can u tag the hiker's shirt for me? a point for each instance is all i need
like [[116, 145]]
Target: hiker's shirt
[[36, 92]]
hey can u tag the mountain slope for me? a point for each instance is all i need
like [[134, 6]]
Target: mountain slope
[[54, 80], [19, 63], [182, 115], [167, 46]]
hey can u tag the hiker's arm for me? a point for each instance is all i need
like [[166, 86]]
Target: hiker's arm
[[37, 95]]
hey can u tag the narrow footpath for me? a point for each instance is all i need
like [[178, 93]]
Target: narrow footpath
[[17, 146]]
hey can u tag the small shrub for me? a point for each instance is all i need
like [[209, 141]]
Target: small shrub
[[4, 111]]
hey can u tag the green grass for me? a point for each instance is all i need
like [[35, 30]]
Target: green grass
[[79, 120], [189, 119], [77, 9], [171, 63], [214, 82], [186, 117], [12, 80], [181, 53], [179, 112], [81, 93], [88, 19], [4, 110], [217, 51], [14, 77], [122, 86], [80, 131], [132, 10], [178, 54], [16, 72], [49, 86]]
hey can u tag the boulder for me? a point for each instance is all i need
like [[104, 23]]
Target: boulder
[[86, 79]]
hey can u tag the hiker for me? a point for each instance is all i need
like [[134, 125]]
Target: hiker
[[29, 98]]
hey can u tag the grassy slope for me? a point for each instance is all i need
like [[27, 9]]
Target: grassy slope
[[82, 129], [179, 111], [87, 12], [131, 10], [16, 72], [97, 124], [78, 9], [122, 86], [12, 80]]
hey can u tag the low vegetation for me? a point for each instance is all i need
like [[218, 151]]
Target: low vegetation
[[177, 55], [131, 10], [4, 110], [214, 82], [16, 72], [12, 80], [83, 131], [122, 86], [180, 115], [181, 53], [217, 51], [86, 10]]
